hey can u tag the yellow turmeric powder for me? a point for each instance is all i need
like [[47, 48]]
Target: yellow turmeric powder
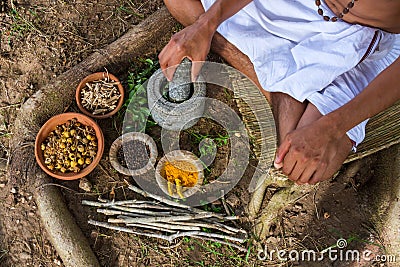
[[183, 171]]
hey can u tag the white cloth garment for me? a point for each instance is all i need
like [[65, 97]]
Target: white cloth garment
[[295, 51]]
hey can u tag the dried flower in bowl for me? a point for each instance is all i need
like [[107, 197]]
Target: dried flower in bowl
[[71, 147]]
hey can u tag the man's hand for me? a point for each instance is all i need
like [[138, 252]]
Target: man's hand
[[192, 42], [312, 154], [315, 152]]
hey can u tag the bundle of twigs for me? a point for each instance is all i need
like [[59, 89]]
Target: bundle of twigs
[[163, 218]]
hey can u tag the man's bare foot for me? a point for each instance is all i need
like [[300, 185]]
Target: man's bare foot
[[342, 148]]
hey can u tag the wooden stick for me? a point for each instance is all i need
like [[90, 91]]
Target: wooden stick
[[125, 219], [225, 226], [134, 204], [165, 226], [172, 203], [207, 225], [113, 203], [224, 203], [156, 197], [118, 212], [145, 226], [170, 238], [142, 211]]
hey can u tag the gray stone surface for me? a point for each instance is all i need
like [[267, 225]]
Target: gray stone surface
[[179, 86], [170, 115]]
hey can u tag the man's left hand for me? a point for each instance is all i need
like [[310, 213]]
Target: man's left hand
[[312, 154]]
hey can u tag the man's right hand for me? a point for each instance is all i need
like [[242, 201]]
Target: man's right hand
[[192, 42]]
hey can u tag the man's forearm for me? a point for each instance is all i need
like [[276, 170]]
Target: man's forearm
[[220, 11], [380, 94]]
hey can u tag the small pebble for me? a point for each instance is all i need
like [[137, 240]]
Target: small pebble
[[238, 135], [298, 206], [2, 185], [94, 234], [13, 190], [24, 256], [85, 185], [3, 164], [233, 200], [273, 240]]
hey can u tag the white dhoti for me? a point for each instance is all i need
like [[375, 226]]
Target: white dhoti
[[296, 52]]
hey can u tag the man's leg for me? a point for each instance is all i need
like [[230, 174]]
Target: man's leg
[[187, 12], [287, 113], [344, 146]]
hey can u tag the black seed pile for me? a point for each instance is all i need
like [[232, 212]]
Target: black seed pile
[[133, 154]]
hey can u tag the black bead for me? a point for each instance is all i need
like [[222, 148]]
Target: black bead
[[334, 19], [350, 5], [318, 2], [320, 11], [345, 11], [326, 18]]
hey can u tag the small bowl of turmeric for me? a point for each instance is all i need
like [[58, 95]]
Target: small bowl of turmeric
[[179, 173]]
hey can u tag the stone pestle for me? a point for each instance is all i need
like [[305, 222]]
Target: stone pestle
[[179, 86]]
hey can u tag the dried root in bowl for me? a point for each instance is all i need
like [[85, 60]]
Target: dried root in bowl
[[101, 96], [180, 174]]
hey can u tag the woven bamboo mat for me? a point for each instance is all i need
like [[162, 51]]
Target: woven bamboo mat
[[383, 130], [257, 117]]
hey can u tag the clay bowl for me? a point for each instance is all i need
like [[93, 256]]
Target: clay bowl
[[124, 139], [95, 77], [50, 126], [179, 155]]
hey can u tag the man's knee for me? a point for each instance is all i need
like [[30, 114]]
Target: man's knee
[[170, 3], [185, 11], [280, 99], [173, 4]]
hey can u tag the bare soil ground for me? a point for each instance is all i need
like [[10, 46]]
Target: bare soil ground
[[42, 39]]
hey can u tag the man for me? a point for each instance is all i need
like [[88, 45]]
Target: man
[[325, 66]]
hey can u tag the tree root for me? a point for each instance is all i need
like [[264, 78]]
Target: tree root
[[281, 199], [65, 235]]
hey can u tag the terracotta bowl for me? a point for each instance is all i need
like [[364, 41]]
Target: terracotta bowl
[[94, 77], [50, 126]]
